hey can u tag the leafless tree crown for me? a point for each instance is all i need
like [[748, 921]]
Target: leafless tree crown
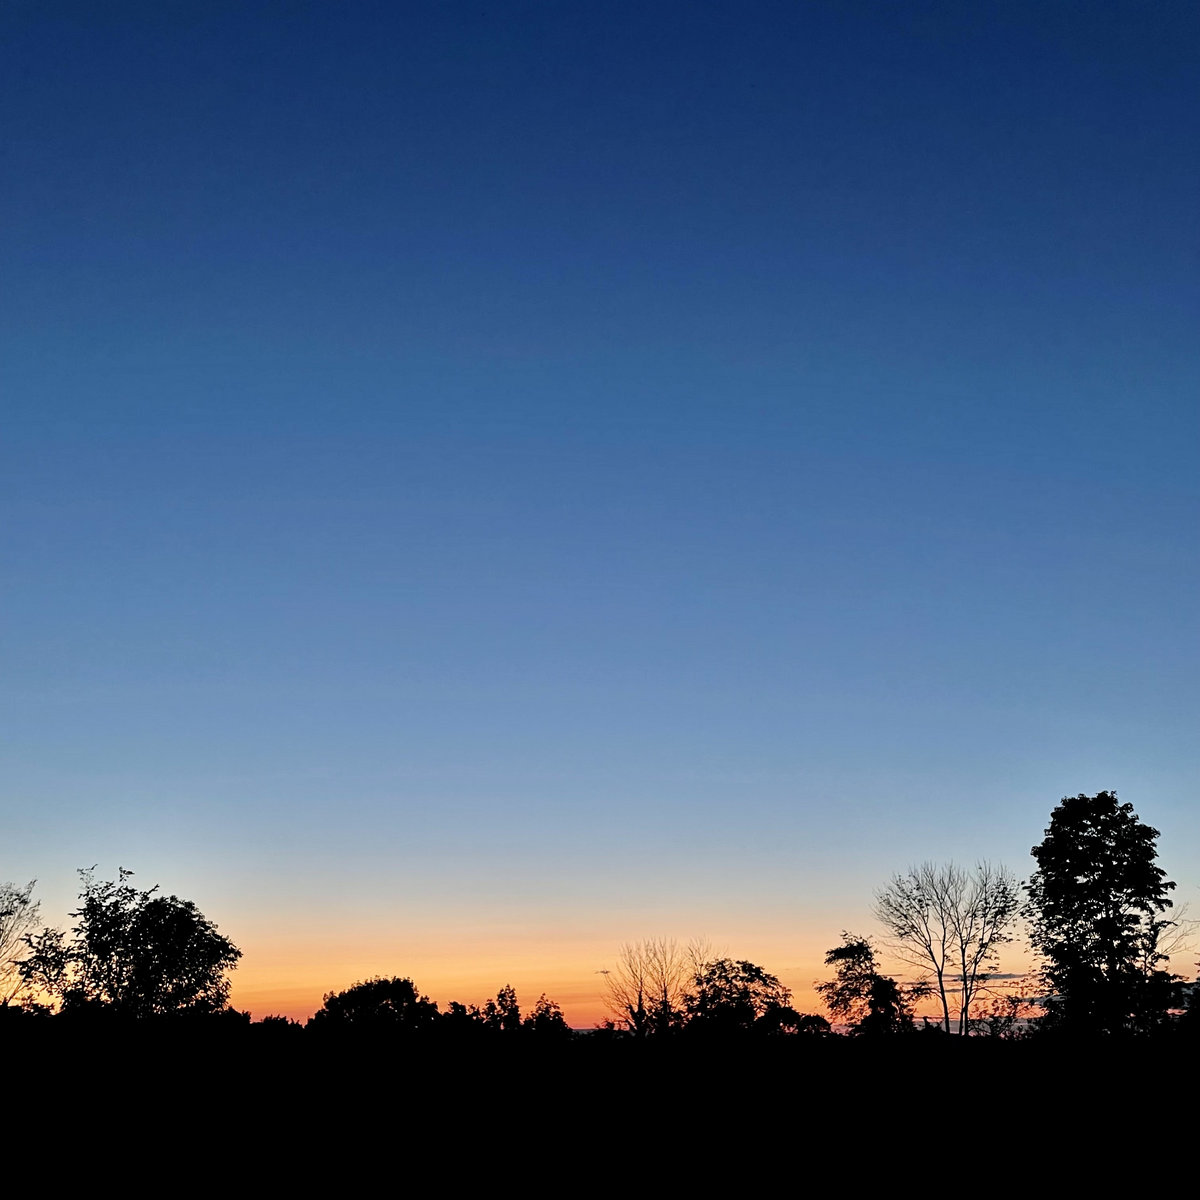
[[645, 989], [949, 923]]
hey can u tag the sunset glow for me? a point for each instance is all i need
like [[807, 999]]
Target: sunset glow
[[487, 484]]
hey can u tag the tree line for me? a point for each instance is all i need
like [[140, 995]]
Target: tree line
[[1095, 910]]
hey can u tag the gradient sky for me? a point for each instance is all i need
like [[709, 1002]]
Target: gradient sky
[[486, 483]]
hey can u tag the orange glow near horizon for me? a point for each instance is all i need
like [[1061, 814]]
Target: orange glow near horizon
[[289, 976], [294, 986], [286, 969], [582, 1001]]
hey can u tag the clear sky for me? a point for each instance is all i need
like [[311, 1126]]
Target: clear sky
[[486, 483]]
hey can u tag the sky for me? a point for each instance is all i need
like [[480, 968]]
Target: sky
[[482, 484]]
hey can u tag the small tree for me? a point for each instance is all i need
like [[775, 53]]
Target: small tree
[[950, 923], [503, 1015], [546, 1020], [1095, 911], [860, 996], [18, 919], [134, 953]]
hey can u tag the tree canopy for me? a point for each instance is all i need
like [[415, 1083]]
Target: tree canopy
[[380, 1004], [733, 994], [1094, 910]]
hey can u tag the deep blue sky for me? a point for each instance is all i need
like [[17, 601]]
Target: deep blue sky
[[648, 463]]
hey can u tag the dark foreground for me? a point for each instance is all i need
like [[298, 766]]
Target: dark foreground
[[199, 1108]]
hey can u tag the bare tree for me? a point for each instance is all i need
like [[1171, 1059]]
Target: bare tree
[[645, 990], [950, 923], [19, 913]]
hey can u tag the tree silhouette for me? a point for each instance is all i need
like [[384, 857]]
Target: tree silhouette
[[1094, 908], [503, 1015], [860, 996], [950, 923], [729, 995], [645, 990], [378, 1005], [133, 953], [546, 1020]]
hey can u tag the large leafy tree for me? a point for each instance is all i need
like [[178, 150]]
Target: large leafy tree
[[136, 953], [1095, 912]]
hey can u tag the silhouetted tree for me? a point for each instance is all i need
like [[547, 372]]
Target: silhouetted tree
[[380, 1005], [950, 923], [860, 996], [133, 953], [645, 990], [503, 1015], [1094, 908], [18, 919], [546, 1020], [728, 995]]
